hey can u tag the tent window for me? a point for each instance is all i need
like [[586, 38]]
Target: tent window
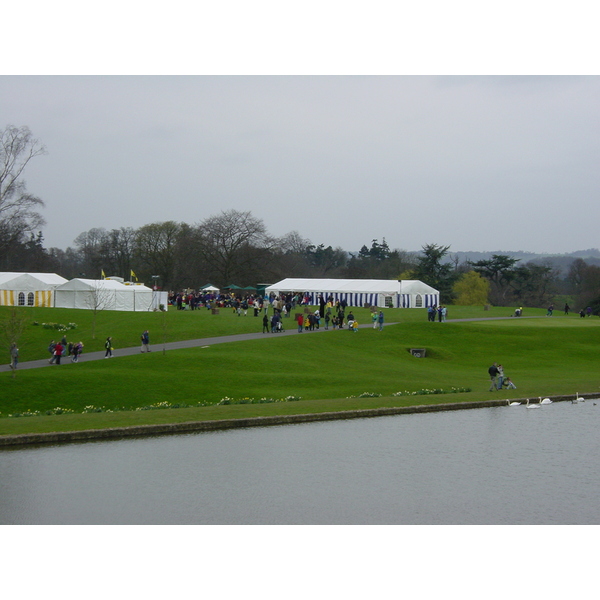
[[389, 303], [419, 301], [30, 299], [21, 299]]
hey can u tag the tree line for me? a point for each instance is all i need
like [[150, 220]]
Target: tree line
[[234, 247]]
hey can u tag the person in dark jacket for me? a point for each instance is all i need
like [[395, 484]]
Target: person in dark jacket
[[493, 371], [145, 341]]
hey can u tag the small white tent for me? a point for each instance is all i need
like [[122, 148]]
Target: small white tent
[[103, 294], [28, 289], [361, 292]]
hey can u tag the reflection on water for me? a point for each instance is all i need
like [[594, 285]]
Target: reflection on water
[[503, 465]]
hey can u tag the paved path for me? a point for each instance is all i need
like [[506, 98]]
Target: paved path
[[86, 357]]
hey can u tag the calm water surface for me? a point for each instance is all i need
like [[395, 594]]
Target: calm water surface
[[505, 465]]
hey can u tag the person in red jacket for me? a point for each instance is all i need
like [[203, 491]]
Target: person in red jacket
[[58, 352], [300, 323]]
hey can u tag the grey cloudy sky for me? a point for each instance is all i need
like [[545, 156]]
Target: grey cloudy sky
[[477, 163]]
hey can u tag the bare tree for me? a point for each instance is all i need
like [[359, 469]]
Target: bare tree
[[99, 298], [235, 244], [91, 246], [155, 246], [18, 208]]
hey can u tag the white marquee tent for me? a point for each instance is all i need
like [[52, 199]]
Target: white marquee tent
[[360, 292], [103, 294], [28, 289]]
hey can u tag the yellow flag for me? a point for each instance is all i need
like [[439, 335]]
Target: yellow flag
[[133, 275], [103, 275]]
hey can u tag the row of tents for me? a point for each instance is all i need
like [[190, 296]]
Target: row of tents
[[52, 290]]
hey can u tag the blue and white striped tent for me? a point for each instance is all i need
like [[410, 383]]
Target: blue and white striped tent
[[360, 292]]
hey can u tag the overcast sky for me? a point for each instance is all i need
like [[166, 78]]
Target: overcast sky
[[486, 163]]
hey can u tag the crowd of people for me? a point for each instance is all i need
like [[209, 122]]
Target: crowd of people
[[194, 300], [437, 311], [62, 349]]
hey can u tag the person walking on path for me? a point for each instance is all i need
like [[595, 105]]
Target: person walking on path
[[300, 322], [146, 341], [14, 356], [265, 324], [493, 371], [77, 350], [58, 352], [108, 347], [51, 347], [380, 320]]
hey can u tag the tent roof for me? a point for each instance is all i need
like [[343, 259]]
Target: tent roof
[[414, 286], [380, 286], [210, 287], [30, 281], [336, 285], [101, 284]]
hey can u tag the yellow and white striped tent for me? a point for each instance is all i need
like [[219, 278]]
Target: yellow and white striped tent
[[28, 289]]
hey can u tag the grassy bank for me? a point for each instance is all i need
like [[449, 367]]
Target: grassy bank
[[327, 371]]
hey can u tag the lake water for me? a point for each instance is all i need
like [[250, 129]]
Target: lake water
[[503, 465]]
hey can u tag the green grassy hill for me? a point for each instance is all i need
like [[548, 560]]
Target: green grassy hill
[[544, 356]]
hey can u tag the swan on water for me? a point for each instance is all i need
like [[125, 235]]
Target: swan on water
[[545, 400], [577, 399], [532, 405], [509, 403]]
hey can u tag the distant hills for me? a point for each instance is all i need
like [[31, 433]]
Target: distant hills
[[562, 262]]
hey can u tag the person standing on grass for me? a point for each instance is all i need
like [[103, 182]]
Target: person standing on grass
[[380, 320], [108, 347], [146, 341], [493, 371], [300, 321], [500, 376]]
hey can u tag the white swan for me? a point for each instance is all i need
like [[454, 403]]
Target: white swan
[[509, 403], [532, 405], [577, 399], [545, 400]]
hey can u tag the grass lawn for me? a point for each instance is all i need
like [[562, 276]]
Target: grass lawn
[[545, 356]]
